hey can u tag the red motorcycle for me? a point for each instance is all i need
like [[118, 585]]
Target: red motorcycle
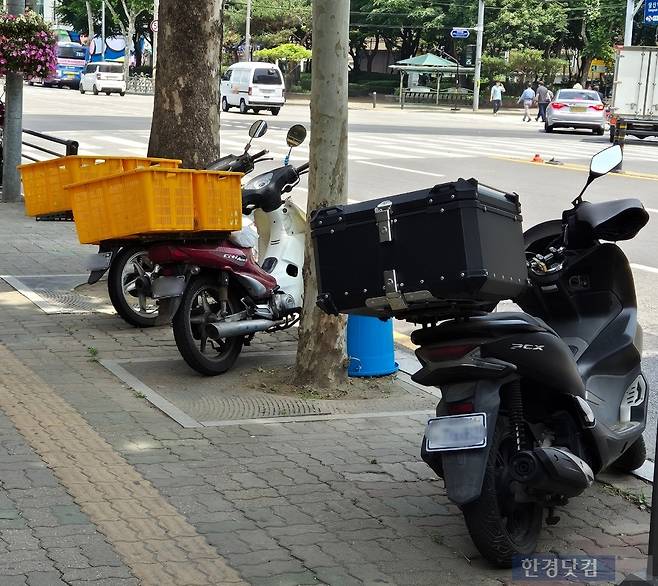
[[216, 294]]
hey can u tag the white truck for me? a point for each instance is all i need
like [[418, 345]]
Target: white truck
[[635, 92]]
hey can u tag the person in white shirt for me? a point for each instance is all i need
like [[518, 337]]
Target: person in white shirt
[[497, 91]]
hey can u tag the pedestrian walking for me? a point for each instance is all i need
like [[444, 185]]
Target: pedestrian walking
[[497, 91], [527, 98], [542, 96]]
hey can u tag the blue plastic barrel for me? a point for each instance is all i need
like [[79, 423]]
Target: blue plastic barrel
[[370, 346]]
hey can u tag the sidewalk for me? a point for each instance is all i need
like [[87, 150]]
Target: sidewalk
[[99, 487]]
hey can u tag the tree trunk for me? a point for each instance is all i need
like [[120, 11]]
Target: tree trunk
[[584, 72], [321, 351], [90, 24], [186, 109], [130, 33]]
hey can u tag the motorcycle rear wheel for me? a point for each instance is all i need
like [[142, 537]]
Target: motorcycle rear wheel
[[199, 306], [500, 527], [135, 308]]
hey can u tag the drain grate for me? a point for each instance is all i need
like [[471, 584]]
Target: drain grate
[[195, 401], [59, 294]]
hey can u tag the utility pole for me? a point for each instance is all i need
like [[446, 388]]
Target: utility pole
[[156, 14], [103, 34], [478, 56], [11, 188], [247, 33], [631, 11]]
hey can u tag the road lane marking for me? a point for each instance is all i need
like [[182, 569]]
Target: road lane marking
[[122, 141], [652, 210], [645, 268], [400, 169]]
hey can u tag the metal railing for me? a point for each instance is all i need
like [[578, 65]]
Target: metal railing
[[71, 145]]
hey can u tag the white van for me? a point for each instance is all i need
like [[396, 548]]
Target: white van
[[253, 86], [103, 76]]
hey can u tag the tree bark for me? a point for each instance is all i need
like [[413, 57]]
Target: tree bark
[[186, 109], [90, 23], [321, 351]]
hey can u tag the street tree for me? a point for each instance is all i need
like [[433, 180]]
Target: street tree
[[126, 16], [273, 22], [321, 349], [186, 107], [290, 53], [404, 24]]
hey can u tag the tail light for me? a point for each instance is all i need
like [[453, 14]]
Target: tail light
[[460, 408], [597, 107], [444, 353], [250, 92], [558, 105]]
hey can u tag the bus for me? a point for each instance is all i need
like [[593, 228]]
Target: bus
[[71, 61]]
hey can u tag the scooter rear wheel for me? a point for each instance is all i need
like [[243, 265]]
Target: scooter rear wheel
[[200, 306], [632, 458], [500, 527]]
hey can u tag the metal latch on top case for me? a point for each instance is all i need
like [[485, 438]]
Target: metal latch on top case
[[383, 219]]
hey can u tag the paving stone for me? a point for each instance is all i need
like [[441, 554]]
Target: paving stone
[[45, 579]]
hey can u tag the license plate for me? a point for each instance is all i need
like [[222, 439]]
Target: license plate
[[578, 109], [457, 432]]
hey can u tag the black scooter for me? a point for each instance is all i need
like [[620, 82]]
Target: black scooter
[[535, 404]]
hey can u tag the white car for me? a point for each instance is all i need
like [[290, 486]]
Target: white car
[[103, 76], [253, 86], [573, 108]]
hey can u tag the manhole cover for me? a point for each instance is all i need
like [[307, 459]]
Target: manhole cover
[[193, 400], [62, 293]]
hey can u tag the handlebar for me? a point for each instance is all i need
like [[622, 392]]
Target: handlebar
[[303, 168]]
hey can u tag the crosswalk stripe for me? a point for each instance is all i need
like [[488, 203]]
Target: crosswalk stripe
[[416, 171]]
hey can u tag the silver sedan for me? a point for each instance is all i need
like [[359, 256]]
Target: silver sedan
[[574, 108]]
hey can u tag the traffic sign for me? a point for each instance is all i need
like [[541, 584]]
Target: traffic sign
[[462, 33], [651, 11], [154, 26]]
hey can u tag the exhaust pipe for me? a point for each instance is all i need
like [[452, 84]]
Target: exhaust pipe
[[235, 329], [552, 470]]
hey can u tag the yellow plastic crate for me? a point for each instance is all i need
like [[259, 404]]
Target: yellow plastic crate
[[217, 201], [144, 201], [44, 182]]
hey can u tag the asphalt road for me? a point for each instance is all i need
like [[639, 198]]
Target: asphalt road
[[393, 151]]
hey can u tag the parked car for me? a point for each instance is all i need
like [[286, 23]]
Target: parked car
[[253, 86], [574, 108], [103, 76]]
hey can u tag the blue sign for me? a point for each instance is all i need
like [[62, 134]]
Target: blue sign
[[651, 12], [464, 33]]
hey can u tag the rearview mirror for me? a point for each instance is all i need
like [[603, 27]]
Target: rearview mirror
[[605, 161], [296, 135], [258, 129], [601, 164]]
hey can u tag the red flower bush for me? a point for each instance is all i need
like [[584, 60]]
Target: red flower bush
[[27, 45]]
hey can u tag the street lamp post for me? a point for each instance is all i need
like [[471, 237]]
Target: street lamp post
[[103, 34], [156, 14], [12, 139], [478, 56], [247, 33]]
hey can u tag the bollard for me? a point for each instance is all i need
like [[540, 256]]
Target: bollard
[[374, 99], [620, 139], [370, 346]]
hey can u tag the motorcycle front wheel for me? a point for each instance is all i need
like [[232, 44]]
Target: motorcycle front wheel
[[500, 527], [130, 265], [200, 305]]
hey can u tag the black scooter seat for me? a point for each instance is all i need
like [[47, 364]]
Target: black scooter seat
[[493, 325]]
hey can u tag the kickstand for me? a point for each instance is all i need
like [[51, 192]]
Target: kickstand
[[552, 518]]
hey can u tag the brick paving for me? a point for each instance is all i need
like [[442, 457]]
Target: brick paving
[[98, 487]]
